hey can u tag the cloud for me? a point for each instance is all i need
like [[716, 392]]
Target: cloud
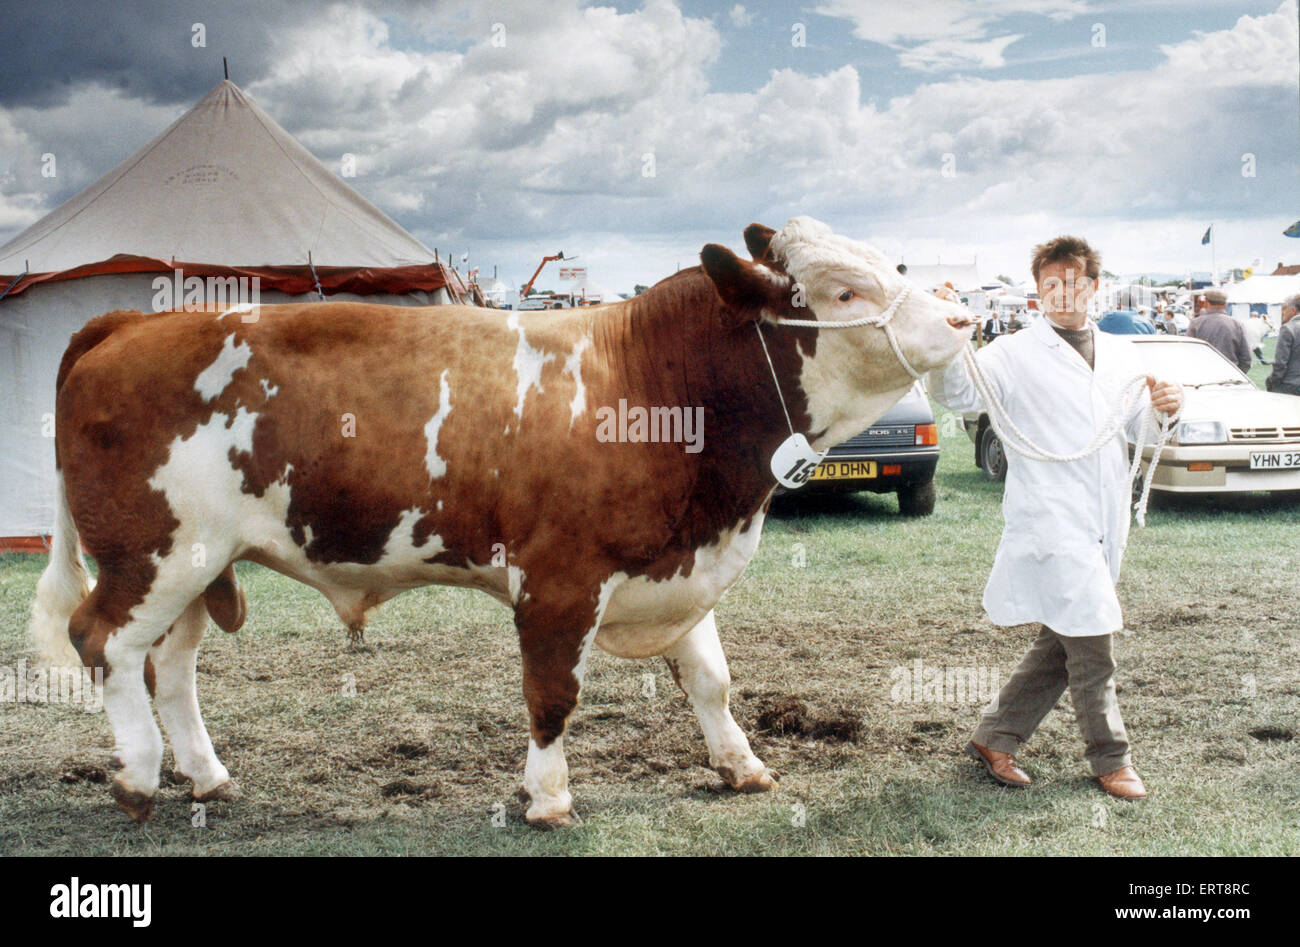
[[597, 131], [931, 35], [740, 17]]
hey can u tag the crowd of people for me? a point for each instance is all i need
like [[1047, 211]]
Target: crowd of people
[[1237, 339]]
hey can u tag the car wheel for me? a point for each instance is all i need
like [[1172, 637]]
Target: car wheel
[[993, 459], [916, 499]]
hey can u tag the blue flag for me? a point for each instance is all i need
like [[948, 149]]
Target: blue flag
[[1293, 230], [1206, 238]]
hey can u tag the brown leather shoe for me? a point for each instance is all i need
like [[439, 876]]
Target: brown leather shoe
[[1001, 766], [1124, 783]]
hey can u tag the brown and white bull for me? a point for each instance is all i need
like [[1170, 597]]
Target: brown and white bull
[[365, 450]]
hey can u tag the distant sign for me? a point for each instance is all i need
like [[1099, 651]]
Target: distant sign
[[573, 272]]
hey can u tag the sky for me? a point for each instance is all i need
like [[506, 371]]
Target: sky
[[630, 134]]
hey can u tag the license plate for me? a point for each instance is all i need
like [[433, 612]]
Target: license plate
[[845, 470], [1274, 459]]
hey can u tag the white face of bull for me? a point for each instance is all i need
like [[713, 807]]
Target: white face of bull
[[854, 377]]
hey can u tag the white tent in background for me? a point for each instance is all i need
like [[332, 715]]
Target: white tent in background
[[1262, 295], [592, 292], [224, 192], [495, 291]]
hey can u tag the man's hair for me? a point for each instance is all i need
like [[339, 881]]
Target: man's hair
[[1216, 297], [1292, 302], [1066, 249]]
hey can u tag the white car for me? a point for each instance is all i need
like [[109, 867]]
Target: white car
[[1231, 436]]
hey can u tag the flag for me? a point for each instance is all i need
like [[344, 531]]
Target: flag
[[1206, 238], [1293, 230]]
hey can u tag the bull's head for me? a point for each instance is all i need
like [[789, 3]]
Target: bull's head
[[805, 271]]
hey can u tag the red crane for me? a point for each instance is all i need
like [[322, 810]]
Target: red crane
[[523, 293]]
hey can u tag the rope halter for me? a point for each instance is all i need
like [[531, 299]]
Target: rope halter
[[879, 321]]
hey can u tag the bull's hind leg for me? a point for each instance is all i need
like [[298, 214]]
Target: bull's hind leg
[[700, 669], [174, 660], [554, 641], [114, 630]]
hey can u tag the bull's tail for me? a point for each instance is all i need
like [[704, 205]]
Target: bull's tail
[[65, 583], [63, 586]]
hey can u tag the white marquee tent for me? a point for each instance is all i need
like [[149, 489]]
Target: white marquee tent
[[1262, 295], [224, 192]]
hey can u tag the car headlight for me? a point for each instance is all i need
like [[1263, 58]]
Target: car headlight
[[1202, 432]]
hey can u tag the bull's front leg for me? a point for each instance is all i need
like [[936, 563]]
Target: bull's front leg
[[700, 669], [555, 639]]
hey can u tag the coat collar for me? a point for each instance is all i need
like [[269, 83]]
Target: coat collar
[[1049, 337]]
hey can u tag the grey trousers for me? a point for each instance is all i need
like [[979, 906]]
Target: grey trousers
[[1053, 663]]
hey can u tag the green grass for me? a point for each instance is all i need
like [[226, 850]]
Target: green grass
[[427, 756]]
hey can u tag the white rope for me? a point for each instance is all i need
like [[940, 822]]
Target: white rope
[[1023, 445], [1001, 421], [878, 321], [776, 380]]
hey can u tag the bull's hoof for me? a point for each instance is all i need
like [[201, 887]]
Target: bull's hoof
[[222, 792], [131, 801], [762, 781], [555, 820]]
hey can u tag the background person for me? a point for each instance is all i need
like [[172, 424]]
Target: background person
[[1065, 524], [1124, 319], [1285, 376], [1225, 333]]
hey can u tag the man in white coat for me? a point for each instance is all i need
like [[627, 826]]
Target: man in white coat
[[1065, 523]]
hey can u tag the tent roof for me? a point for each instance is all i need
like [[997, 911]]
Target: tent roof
[[1263, 289], [224, 186]]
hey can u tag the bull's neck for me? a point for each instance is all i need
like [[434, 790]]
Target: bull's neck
[[671, 347]]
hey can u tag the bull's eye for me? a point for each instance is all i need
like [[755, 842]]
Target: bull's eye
[[846, 295]]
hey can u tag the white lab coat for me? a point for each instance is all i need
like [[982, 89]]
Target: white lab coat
[[1065, 524]]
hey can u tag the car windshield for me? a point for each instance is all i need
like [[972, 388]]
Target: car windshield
[[1189, 364]]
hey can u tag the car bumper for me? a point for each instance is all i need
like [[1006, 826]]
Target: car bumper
[[1229, 469], [916, 466]]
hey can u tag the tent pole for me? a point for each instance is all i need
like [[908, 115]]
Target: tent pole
[[26, 266], [224, 67], [319, 292]]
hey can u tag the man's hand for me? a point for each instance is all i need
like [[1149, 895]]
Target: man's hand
[[1166, 396], [962, 322]]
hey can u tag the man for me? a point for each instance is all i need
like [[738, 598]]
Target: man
[[1124, 320], [1065, 523], [1225, 333], [1285, 376]]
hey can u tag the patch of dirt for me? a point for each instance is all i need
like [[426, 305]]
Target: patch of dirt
[[1273, 733], [83, 773], [789, 716], [408, 788]]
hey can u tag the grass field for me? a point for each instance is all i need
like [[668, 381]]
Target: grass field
[[427, 754]]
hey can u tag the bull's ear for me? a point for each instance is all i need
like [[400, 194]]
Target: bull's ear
[[745, 287], [757, 239]]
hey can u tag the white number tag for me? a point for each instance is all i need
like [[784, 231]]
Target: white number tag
[[794, 461]]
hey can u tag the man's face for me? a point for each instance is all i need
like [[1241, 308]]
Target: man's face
[[1287, 314], [1064, 288]]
